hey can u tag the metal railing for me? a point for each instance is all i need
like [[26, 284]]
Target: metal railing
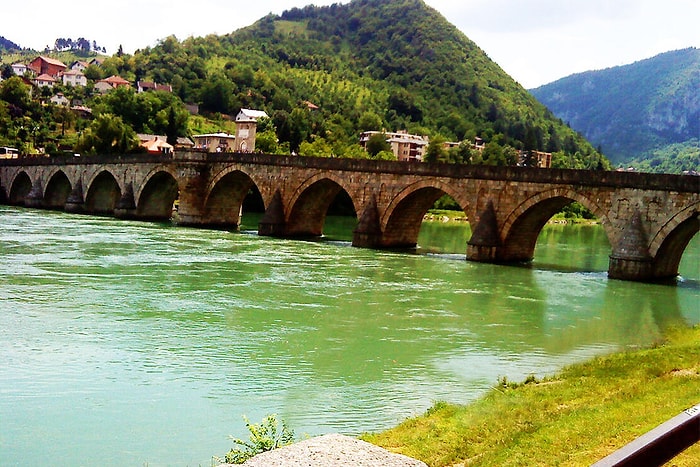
[[659, 445]]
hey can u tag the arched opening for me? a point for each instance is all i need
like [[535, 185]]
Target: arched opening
[[668, 257], [445, 228], [57, 191], [323, 199], [21, 187], [406, 219], [103, 195], [341, 218], [158, 198], [563, 242], [232, 196]]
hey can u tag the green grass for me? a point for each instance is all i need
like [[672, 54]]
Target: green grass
[[575, 418]]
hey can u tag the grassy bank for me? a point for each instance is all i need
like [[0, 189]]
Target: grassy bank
[[574, 418]]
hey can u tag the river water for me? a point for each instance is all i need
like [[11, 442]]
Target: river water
[[126, 343]]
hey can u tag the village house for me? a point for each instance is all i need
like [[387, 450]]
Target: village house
[[157, 145], [214, 142], [73, 78], [79, 65], [405, 146], [183, 142], [246, 129], [144, 86], [44, 80], [19, 69], [113, 82], [60, 99], [544, 159], [46, 66]]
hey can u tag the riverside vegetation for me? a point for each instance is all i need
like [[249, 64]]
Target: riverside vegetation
[[576, 417]]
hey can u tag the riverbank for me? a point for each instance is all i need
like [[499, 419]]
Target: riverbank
[[574, 418]]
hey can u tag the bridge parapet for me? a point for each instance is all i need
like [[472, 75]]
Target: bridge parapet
[[507, 206]]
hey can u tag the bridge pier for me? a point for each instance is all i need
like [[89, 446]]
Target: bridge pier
[[75, 203], [272, 223], [126, 206], [35, 197], [630, 259], [484, 243], [368, 233]]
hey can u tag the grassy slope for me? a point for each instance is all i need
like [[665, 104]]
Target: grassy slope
[[575, 418]]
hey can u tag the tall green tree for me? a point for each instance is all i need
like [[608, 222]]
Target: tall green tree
[[377, 143], [436, 152], [107, 134]]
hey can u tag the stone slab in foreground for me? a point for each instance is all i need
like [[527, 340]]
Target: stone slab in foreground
[[332, 450]]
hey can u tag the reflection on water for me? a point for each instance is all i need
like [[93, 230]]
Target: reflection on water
[[130, 343]]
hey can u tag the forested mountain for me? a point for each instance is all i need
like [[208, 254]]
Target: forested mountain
[[7, 45], [368, 64], [646, 114]]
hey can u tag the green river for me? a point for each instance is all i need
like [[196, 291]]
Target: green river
[[131, 344]]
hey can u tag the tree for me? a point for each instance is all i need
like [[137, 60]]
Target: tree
[[107, 134], [377, 143], [385, 156], [318, 148], [172, 130], [369, 121], [435, 151], [7, 71], [16, 93], [64, 116]]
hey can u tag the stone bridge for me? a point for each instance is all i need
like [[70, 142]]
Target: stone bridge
[[649, 219]]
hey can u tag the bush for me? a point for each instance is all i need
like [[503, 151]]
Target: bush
[[265, 436]]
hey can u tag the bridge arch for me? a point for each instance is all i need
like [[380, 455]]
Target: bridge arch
[[103, 193], [524, 224], [404, 215], [20, 188], [156, 196], [669, 244], [309, 204], [57, 190], [223, 205]]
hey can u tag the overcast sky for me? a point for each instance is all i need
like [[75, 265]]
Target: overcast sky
[[534, 41]]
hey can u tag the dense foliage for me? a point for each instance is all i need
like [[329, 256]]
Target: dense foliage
[[367, 65], [6, 44], [636, 112], [324, 74]]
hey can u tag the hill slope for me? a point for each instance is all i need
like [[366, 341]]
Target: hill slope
[[635, 111], [369, 64]]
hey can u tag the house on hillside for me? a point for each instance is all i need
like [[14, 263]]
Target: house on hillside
[[183, 142], [44, 80], [113, 82], [157, 145], [79, 65], [60, 99], [73, 78], [46, 66], [143, 86], [19, 69], [215, 142], [246, 129], [405, 146]]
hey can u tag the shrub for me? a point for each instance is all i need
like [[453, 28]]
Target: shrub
[[265, 436]]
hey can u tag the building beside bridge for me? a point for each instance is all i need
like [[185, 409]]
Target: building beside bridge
[[242, 141]]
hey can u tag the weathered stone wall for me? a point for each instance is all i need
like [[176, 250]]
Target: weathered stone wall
[[649, 219]]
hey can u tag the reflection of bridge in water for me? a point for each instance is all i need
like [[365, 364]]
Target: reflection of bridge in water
[[648, 218]]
